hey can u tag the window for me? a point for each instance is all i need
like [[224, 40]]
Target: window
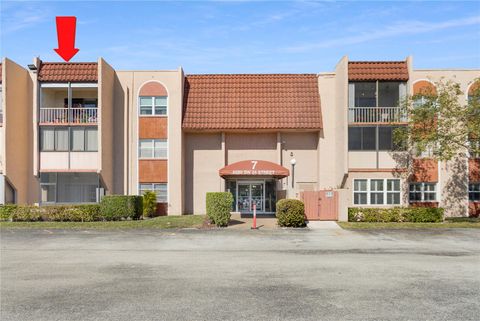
[[360, 191], [474, 192], [361, 138], [376, 191], [153, 105], [84, 139], [365, 138], [54, 139], [69, 187], [388, 94], [393, 191], [474, 148], [48, 187], [160, 190], [365, 94], [422, 192], [153, 148], [386, 139], [60, 140]]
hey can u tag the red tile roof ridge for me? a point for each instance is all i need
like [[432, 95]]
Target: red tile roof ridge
[[377, 62], [250, 75]]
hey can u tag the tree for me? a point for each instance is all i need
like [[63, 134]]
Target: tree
[[438, 122], [149, 203]]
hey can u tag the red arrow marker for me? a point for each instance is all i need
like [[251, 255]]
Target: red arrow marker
[[66, 37]]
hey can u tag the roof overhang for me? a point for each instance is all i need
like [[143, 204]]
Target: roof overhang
[[254, 168]]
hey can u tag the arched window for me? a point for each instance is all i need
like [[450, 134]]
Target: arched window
[[474, 91], [423, 90], [153, 99]]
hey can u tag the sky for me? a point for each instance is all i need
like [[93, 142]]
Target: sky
[[247, 36]]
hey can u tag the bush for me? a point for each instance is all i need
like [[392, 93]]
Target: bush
[[118, 207], [6, 211], [396, 214], [26, 213], [424, 214], [71, 213], [89, 212], [219, 205], [290, 213], [149, 204]]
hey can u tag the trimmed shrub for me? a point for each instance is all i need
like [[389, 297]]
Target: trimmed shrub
[[149, 204], [219, 205], [6, 212], [290, 213], [26, 213], [90, 212], [396, 214], [424, 214], [118, 207], [71, 213]]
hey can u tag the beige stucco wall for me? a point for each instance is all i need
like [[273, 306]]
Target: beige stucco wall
[[127, 87], [2, 129], [261, 146], [303, 147], [18, 135], [333, 159], [205, 156], [203, 159], [106, 123], [69, 161]]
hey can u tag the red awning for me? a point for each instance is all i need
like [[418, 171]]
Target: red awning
[[254, 168]]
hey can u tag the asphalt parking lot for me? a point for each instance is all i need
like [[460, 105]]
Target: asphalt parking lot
[[240, 275]]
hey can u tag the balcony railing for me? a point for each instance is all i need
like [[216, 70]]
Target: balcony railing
[[376, 115], [68, 116]]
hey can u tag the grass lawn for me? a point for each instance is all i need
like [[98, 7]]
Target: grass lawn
[[164, 222], [449, 223]]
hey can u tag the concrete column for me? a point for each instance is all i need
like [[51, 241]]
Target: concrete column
[[225, 160]]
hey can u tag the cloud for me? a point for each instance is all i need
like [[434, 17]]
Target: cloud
[[20, 16], [400, 28]]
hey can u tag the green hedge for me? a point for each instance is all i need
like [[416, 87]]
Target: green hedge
[[219, 205], [290, 213], [71, 213], [396, 214], [111, 208], [60, 213], [6, 211], [121, 207], [26, 213]]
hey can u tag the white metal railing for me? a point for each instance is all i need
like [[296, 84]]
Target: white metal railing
[[83, 115], [376, 115], [64, 115]]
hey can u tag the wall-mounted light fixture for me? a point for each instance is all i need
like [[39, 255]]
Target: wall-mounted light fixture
[[32, 67], [293, 161]]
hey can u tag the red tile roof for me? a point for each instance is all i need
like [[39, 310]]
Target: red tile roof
[[68, 71], [377, 70], [252, 101]]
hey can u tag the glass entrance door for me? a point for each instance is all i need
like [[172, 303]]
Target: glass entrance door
[[249, 194]]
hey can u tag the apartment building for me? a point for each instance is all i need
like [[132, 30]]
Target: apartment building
[[73, 132]]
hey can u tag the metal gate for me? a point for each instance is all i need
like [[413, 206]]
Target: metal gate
[[320, 205]]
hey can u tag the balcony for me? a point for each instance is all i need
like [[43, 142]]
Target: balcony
[[376, 115], [68, 116]]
